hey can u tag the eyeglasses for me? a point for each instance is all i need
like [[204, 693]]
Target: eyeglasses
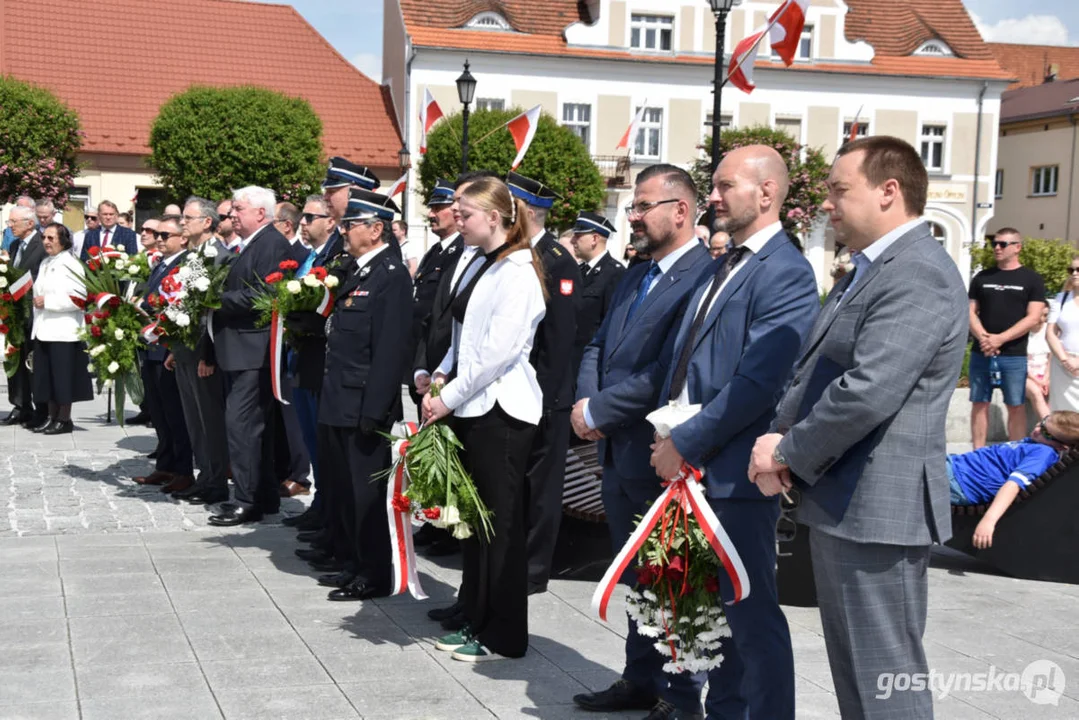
[[1005, 243], [164, 235], [1048, 435], [1072, 271], [90, 217], [192, 218], [311, 217], [643, 207]]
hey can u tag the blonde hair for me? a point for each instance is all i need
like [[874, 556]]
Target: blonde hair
[[1067, 423], [490, 193]]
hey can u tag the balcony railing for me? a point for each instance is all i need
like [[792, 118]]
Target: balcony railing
[[614, 169]]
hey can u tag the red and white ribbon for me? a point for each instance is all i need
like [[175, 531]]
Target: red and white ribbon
[[405, 576], [103, 300], [684, 488], [325, 307], [152, 333], [277, 349], [21, 286]]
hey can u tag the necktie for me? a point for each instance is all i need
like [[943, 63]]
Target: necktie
[[642, 289], [583, 267], [678, 380], [105, 238], [861, 262], [19, 244]]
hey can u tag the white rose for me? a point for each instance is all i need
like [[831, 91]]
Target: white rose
[[331, 281], [450, 515], [184, 273], [3, 268], [97, 350], [183, 319], [293, 286], [121, 263], [104, 259], [3, 282], [209, 250], [119, 334], [113, 366], [462, 531], [133, 270], [180, 295], [311, 281], [202, 284]]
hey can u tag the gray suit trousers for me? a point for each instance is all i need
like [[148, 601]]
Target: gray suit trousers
[[873, 602], [203, 402]]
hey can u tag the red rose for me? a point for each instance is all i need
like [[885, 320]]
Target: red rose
[[172, 272], [92, 264], [8, 297], [95, 331], [711, 585], [114, 302], [319, 272], [274, 277], [401, 503], [645, 575], [3, 329], [288, 265], [432, 513], [94, 251], [88, 318]]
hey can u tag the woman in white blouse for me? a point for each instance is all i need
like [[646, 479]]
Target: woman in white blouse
[[60, 374], [1063, 338], [491, 391]]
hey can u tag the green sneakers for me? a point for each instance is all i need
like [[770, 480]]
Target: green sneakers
[[474, 652], [454, 640]]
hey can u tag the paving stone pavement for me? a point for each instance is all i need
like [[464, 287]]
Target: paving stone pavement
[[119, 604]]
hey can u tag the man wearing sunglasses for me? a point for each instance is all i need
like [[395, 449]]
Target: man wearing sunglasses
[[995, 474], [1006, 303]]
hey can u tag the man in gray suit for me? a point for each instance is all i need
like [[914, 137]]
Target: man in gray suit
[[860, 430]]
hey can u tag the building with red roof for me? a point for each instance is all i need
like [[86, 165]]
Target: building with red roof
[[116, 61]]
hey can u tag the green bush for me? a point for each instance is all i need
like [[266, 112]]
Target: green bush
[[209, 141], [39, 142], [1048, 258], [557, 158], [807, 191]]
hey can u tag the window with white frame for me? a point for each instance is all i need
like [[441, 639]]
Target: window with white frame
[[578, 118], [488, 21], [805, 45], [933, 147], [649, 134], [863, 130], [938, 232], [490, 104], [651, 32], [1044, 180], [998, 184], [724, 122]]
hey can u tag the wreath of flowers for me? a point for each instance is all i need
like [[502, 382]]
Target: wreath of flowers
[[187, 294], [14, 312], [286, 293]]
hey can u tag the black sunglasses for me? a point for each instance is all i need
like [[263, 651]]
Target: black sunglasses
[[1005, 243], [164, 235], [90, 217], [1072, 271], [1048, 435], [311, 217]]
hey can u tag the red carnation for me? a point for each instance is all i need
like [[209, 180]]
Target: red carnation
[[95, 331], [114, 302], [288, 265], [88, 318], [432, 513], [7, 297], [172, 272], [645, 575], [401, 503], [274, 277], [711, 585], [3, 329], [93, 264], [93, 251], [319, 272]]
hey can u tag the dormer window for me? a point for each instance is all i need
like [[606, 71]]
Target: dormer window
[[935, 48], [488, 21]]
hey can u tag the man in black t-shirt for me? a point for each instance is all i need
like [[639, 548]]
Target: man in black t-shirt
[[1006, 303]]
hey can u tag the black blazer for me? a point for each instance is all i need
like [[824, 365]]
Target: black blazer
[[238, 344], [552, 354], [367, 345], [435, 331], [436, 262], [121, 237], [597, 291], [32, 255], [335, 245]]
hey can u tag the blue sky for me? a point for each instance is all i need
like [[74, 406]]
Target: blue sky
[[354, 27]]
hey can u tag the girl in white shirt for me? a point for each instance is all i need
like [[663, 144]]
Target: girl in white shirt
[[1063, 338], [491, 390]]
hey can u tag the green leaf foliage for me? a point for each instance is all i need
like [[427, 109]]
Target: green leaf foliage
[[39, 141], [209, 141], [807, 190], [1048, 258], [557, 158]]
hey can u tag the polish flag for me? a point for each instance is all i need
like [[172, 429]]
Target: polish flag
[[854, 125], [785, 32], [631, 131], [523, 128], [740, 70], [398, 187], [430, 113]]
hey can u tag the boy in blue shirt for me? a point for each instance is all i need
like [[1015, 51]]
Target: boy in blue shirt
[[996, 473]]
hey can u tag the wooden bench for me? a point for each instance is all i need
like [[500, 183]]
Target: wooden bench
[[582, 495]]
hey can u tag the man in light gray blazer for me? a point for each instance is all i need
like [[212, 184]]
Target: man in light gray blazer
[[860, 430]]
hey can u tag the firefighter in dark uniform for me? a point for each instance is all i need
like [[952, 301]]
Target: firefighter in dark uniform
[[600, 274], [552, 358], [366, 346], [440, 258]]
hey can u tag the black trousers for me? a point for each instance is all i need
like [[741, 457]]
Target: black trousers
[[162, 397], [203, 402], [249, 426], [20, 388], [494, 582], [543, 504], [356, 505]]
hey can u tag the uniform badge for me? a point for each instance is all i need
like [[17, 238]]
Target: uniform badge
[[366, 271], [359, 293], [566, 287], [348, 303], [391, 267]]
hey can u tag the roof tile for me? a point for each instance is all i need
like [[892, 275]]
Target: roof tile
[[1030, 63]]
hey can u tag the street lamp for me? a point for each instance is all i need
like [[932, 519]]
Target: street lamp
[[720, 8], [404, 161], [466, 89]]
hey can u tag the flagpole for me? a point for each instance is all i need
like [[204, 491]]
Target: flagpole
[[753, 47]]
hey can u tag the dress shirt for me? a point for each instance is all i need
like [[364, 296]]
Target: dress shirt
[[364, 260], [447, 241], [595, 261], [247, 240], [862, 259], [107, 235], [537, 236]]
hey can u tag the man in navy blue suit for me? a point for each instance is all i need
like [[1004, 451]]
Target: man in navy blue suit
[[109, 233], [615, 392], [733, 354]]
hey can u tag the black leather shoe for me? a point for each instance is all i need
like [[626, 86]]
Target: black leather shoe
[[444, 546], [314, 537], [306, 516], [204, 496], [15, 417], [232, 515], [313, 555], [536, 588], [42, 427], [59, 427], [441, 614], [33, 421], [327, 566], [337, 580], [663, 710], [140, 418], [621, 696], [357, 590]]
